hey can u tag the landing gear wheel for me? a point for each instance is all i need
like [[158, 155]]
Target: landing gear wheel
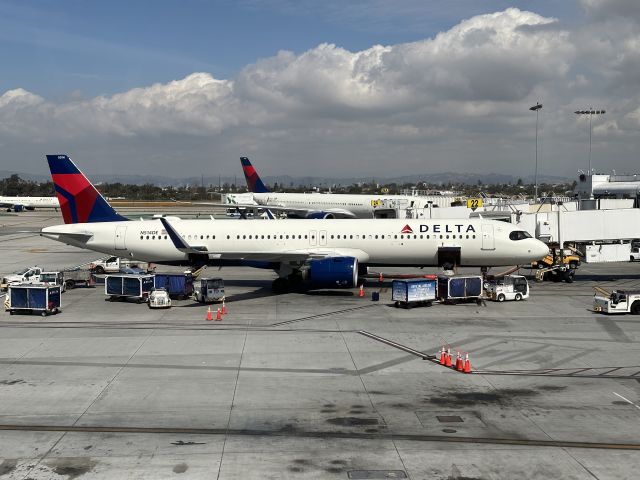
[[501, 297], [635, 308], [280, 285], [518, 297]]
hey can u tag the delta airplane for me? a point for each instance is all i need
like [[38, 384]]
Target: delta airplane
[[320, 254], [323, 205], [17, 204]]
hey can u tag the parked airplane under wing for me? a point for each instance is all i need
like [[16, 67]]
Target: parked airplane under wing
[[324, 253]]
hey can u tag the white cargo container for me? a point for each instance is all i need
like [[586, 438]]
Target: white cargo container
[[613, 252]]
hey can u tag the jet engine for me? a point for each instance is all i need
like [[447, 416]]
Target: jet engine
[[321, 215], [335, 272]]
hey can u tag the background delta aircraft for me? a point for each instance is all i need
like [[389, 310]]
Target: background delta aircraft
[[326, 205], [322, 254], [17, 204]]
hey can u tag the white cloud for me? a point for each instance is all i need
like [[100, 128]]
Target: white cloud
[[460, 97]]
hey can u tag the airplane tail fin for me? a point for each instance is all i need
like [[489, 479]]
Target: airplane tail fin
[[80, 202], [254, 183]]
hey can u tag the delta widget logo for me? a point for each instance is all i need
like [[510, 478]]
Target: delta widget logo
[[406, 229]]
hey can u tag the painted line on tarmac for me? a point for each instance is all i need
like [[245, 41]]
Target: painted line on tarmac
[[322, 315], [319, 435], [626, 400]]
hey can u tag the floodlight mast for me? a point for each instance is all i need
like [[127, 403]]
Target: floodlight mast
[[591, 112], [536, 108]]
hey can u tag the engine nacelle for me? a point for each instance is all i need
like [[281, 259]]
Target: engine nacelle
[[321, 215], [18, 208], [336, 272]]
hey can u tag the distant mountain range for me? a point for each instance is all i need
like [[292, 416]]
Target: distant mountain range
[[286, 180]]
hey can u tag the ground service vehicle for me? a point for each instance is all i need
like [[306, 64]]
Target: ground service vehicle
[[414, 291], [28, 298], [122, 287], [558, 265], [26, 275], [509, 287], [457, 288], [159, 298], [178, 285], [208, 290], [115, 265], [620, 301], [635, 254]]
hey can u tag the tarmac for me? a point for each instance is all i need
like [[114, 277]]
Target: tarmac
[[308, 386]]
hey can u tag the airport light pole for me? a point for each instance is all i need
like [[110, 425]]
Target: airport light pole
[[536, 108], [591, 113]]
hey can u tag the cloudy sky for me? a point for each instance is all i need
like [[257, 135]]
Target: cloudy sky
[[332, 88]]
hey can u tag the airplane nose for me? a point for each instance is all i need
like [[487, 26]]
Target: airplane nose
[[540, 250]]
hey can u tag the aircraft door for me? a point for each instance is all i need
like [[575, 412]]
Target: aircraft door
[[313, 238], [323, 238], [488, 242], [121, 232]]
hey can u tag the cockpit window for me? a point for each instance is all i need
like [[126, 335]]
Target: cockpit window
[[519, 235]]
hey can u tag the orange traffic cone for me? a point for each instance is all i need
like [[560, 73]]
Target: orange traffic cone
[[361, 294], [443, 356], [218, 314], [467, 364], [459, 365], [447, 360], [209, 316], [224, 307]]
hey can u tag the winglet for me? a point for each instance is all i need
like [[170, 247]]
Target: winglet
[[80, 202], [254, 183], [178, 241]]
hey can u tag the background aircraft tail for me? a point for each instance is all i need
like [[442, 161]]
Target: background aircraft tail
[[254, 183], [80, 202]]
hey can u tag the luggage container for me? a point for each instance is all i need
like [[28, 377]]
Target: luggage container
[[459, 288], [179, 285], [121, 287], [42, 299], [408, 292], [208, 290]]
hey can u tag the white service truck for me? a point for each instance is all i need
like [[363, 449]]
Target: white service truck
[[509, 287], [26, 275], [115, 265], [619, 301]]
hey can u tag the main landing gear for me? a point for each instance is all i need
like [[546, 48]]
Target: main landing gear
[[291, 283]]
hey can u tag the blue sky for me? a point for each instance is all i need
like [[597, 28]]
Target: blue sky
[[59, 47], [327, 88]]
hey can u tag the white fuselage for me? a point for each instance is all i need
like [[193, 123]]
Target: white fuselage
[[361, 206], [481, 242], [31, 202]]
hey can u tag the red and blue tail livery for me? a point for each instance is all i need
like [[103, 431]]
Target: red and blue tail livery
[[254, 183], [80, 202]]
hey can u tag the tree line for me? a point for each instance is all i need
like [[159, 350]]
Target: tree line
[[16, 186]]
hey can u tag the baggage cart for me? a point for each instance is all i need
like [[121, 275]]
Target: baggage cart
[[27, 298], [458, 288], [408, 292], [122, 287], [179, 285]]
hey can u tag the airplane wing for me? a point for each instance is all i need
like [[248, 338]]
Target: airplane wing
[[301, 255], [303, 212]]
